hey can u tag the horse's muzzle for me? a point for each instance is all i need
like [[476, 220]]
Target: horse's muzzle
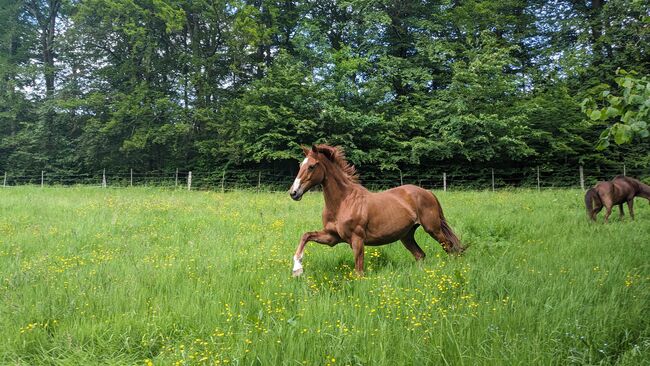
[[296, 195]]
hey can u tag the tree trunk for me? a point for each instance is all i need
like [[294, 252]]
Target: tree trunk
[[594, 16], [399, 40], [46, 18]]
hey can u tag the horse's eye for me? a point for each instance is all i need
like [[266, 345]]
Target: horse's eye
[[311, 167]]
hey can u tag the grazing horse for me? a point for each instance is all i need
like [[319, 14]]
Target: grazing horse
[[359, 217], [619, 190]]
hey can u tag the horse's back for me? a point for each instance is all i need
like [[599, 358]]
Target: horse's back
[[627, 181], [619, 190], [410, 193], [625, 188], [402, 198], [418, 199]]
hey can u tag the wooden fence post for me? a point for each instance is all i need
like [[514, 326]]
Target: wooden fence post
[[444, 182], [42, 178], [223, 179], [104, 178], [582, 178], [401, 181], [176, 182], [4, 183], [624, 172], [131, 182], [538, 179], [492, 179], [259, 180], [189, 181]]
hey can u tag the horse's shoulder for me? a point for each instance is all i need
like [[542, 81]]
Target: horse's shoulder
[[327, 214]]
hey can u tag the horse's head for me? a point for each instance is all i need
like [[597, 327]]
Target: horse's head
[[311, 174]]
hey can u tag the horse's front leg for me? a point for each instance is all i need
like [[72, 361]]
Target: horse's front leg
[[357, 248], [621, 212], [322, 237], [630, 205]]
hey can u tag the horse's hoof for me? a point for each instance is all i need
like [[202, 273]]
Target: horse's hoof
[[297, 272]]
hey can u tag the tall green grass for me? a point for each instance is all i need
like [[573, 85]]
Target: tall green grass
[[153, 276]]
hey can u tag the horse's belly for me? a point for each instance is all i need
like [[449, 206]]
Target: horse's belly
[[383, 240], [388, 233], [375, 237], [389, 224]]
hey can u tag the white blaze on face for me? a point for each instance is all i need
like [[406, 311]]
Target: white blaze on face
[[303, 162], [296, 185]]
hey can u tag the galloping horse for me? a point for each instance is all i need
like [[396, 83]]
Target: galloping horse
[[619, 190], [359, 217]]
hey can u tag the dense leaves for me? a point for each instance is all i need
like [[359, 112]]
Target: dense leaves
[[408, 86], [629, 109]]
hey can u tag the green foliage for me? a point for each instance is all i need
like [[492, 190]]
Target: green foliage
[[409, 86], [627, 109], [276, 112]]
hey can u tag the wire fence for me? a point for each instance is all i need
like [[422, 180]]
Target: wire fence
[[273, 181]]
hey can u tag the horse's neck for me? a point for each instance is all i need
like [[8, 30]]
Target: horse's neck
[[644, 191], [336, 187]]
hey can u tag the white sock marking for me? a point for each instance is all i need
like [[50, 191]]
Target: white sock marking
[[297, 263]]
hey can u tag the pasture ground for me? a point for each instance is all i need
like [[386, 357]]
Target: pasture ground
[[153, 276]]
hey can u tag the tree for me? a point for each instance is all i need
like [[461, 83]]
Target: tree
[[411, 86], [626, 109]]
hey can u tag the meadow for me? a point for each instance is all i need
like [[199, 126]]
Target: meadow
[[150, 276]]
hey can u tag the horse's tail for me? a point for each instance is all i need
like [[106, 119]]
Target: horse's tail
[[456, 246], [590, 197]]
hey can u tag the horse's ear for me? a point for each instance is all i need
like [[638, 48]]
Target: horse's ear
[[305, 149], [314, 150]]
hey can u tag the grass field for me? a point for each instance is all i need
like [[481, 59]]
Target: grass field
[[151, 276]]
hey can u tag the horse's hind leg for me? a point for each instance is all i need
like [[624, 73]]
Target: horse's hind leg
[[433, 222], [409, 242], [597, 208], [608, 211], [607, 202]]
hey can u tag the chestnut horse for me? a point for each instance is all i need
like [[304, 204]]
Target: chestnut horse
[[359, 217], [619, 190]]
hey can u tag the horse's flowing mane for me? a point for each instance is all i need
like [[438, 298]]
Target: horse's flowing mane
[[335, 155]]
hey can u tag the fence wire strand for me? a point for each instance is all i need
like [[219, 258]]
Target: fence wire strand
[[274, 181]]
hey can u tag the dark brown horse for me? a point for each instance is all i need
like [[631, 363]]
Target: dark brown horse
[[618, 191], [359, 217]]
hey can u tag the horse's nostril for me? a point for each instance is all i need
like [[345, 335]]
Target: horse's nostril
[[295, 195]]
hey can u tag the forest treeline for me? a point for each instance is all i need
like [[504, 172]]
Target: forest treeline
[[404, 86]]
